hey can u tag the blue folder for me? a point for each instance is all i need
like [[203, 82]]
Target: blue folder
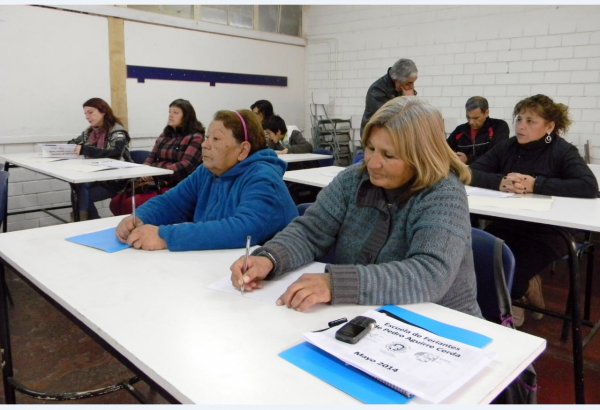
[[360, 385], [105, 240]]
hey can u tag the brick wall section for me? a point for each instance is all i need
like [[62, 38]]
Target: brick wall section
[[504, 53]]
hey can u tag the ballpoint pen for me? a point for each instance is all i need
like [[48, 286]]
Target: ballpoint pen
[[248, 239], [133, 201]]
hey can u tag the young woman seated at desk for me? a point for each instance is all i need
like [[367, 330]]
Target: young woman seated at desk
[[178, 148], [237, 191], [399, 224], [104, 138]]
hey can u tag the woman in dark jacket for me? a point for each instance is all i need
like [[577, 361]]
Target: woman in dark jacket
[[536, 160]]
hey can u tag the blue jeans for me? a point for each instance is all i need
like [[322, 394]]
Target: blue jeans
[[91, 192]]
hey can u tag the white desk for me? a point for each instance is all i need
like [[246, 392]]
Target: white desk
[[204, 346], [304, 157], [65, 170], [569, 213], [319, 177]]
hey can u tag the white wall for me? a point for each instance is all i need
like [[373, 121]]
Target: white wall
[[53, 60], [156, 46], [504, 53]]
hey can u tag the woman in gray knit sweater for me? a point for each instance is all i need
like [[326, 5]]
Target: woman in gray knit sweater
[[399, 224]]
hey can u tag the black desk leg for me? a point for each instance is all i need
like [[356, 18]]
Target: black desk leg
[[574, 304], [6, 356], [5, 220], [75, 202]]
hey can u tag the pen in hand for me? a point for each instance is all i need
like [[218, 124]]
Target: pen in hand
[[133, 201], [248, 239]]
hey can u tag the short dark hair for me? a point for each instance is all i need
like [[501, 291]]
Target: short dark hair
[[189, 123], [264, 107], [275, 123], [476, 102]]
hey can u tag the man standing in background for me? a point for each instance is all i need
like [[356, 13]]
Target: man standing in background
[[479, 133], [399, 80]]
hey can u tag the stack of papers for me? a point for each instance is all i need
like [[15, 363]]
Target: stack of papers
[[58, 150]]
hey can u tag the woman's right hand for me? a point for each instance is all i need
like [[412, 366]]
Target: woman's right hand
[[257, 269], [126, 226]]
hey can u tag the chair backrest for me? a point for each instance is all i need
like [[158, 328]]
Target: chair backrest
[[325, 162], [3, 197], [489, 258], [139, 155]]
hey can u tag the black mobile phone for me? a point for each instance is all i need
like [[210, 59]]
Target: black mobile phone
[[355, 329]]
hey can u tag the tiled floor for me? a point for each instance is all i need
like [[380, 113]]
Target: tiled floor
[[52, 354]]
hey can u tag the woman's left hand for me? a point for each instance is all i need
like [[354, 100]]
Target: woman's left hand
[[309, 290], [146, 237]]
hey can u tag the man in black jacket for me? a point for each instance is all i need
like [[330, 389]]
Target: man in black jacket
[[399, 80], [479, 133]]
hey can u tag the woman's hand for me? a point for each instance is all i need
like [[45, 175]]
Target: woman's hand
[[517, 183], [462, 157], [309, 290], [146, 237], [256, 271], [126, 226]]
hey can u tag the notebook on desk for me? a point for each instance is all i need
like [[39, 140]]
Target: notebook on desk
[[358, 383]]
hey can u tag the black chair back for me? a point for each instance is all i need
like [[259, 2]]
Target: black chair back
[[492, 256]]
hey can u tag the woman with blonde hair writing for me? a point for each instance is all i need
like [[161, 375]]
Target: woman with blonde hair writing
[[399, 224]]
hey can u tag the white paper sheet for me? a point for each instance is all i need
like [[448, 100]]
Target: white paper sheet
[[93, 165], [271, 289], [417, 361], [475, 191], [58, 150]]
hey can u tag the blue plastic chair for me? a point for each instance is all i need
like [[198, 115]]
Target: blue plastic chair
[[139, 155], [487, 262], [3, 198]]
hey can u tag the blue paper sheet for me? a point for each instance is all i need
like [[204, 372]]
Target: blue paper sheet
[[105, 240], [360, 385]]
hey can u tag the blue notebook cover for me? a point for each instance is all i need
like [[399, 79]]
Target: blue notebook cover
[[105, 240], [360, 385]]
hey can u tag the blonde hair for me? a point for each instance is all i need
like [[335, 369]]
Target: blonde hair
[[417, 130]]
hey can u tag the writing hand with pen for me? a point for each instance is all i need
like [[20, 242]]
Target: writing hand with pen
[[132, 231], [309, 290], [517, 183]]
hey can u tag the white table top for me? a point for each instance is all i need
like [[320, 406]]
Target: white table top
[[319, 177], [60, 169], [304, 157], [577, 213], [205, 346]]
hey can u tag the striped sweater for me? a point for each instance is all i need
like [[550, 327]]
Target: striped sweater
[[402, 251]]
